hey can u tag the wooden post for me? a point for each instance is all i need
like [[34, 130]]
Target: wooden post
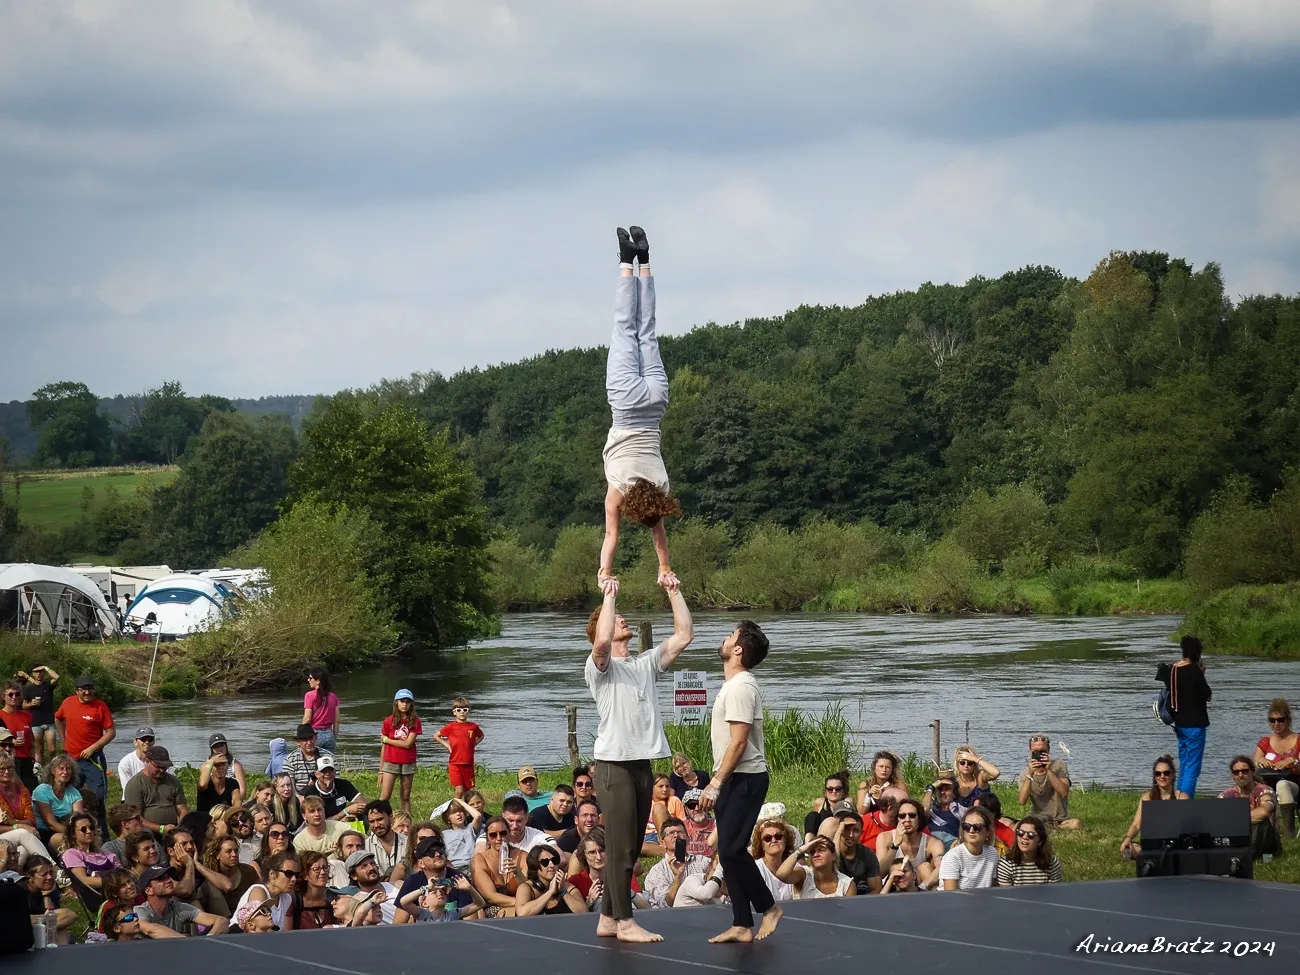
[[644, 636], [938, 755], [571, 716]]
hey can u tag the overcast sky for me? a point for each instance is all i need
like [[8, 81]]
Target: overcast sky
[[259, 198]]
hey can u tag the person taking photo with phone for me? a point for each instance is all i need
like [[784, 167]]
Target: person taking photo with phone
[[1045, 785]]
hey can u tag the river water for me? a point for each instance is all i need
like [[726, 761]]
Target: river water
[[1087, 682]]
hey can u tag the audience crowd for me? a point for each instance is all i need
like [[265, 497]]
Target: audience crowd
[[303, 848]]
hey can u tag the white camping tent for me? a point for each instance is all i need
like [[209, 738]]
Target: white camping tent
[[181, 603], [51, 599]]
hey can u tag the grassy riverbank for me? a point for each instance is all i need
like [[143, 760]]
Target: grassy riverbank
[[1254, 621]]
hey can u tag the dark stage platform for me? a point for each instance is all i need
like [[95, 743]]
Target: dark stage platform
[[1034, 930]]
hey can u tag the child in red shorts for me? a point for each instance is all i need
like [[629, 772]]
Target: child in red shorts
[[459, 738]]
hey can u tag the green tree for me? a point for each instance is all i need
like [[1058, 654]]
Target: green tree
[[162, 421], [72, 430], [379, 458], [1009, 530]]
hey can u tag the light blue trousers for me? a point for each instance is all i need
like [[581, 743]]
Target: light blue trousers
[[636, 382]]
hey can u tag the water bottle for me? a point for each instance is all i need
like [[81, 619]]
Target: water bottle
[[38, 934], [51, 926]]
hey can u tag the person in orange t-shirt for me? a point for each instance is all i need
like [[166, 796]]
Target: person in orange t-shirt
[[459, 738], [86, 726]]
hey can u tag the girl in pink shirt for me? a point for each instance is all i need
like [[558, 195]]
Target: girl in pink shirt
[[320, 709]]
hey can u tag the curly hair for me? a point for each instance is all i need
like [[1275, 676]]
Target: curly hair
[[648, 505]]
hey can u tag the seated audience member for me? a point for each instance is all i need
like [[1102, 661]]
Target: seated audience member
[[882, 819], [557, 815], [701, 828], [364, 874], [941, 807], [908, 841], [83, 857], [313, 905], [855, 861], [1263, 806], [972, 775], [181, 853], [255, 918], [589, 880], [586, 818], [461, 827], [496, 871], [664, 879], [122, 923], [833, 798], [362, 910], [1276, 757], [225, 878], [319, 834], [546, 890], [584, 786], [973, 862], [774, 839], [901, 879], [278, 886], [884, 778], [402, 823], [241, 825], [157, 792], [388, 847], [529, 789], [202, 826], [119, 890], [812, 871], [17, 817], [278, 840], [286, 808], [134, 761], [217, 787], [1045, 785], [43, 895], [686, 776], [302, 761], [418, 831], [522, 837], [343, 801], [263, 793], [349, 842], [55, 799], [433, 870], [163, 910], [706, 890], [1031, 860], [218, 746], [262, 819], [142, 852], [428, 904], [1004, 829], [122, 820], [279, 755], [1163, 776]]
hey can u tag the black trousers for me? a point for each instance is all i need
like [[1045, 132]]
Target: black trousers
[[739, 801], [624, 789]]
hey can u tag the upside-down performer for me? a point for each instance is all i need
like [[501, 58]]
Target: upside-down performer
[[636, 384]]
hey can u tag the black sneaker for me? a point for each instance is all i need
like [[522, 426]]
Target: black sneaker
[[626, 249], [641, 244]]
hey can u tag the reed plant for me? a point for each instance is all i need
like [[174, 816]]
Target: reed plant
[[796, 741]]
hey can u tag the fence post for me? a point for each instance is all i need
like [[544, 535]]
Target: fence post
[[571, 717], [644, 636], [938, 755]]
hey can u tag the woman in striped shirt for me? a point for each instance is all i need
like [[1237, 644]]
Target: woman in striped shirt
[[1031, 860]]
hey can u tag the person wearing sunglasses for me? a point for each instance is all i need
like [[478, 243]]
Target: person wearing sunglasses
[[833, 798], [122, 923], [17, 816], [972, 775], [281, 881], [1276, 757], [1163, 772], [973, 862], [908, 841], [774, 839], [134, 761], [1031, 860], [432, 867], [83, 857], [1263, 805], [496, 870], [547, 890], [19, 724]]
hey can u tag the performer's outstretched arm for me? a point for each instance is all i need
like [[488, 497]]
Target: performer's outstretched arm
[[683, 628]]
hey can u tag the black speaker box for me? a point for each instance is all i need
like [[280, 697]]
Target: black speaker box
[[1195, 836]]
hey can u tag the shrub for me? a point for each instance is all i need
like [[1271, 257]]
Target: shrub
[[1237, 541], [1008, 531], [569, 578], [946, 579], [18, 652], [514, 573]]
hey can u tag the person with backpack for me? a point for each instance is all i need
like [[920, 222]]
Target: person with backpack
[[1189, 695]]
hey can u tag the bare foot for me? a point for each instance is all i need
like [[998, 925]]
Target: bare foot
[[734, 934], [606, 927], [633, 933], [770, 920]]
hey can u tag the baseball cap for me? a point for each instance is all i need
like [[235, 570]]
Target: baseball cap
[[144, 732], [772, 810], [154, 873], [159, 756], [6, 734], [356, 859], [324, 762], [842, 807], [217, 739], [427, 845], [527, 772], [692, 796], [403, 695], [85, 680], [512, 793], [304, 732]]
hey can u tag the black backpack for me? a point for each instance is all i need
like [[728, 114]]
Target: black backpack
[[1163, 706], [15, 921]]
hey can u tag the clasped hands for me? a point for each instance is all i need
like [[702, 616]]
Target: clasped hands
[[608, 582]]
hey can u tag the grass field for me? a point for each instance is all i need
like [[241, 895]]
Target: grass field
[[55, 499]]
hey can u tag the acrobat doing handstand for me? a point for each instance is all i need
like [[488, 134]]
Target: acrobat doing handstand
[[636, 384]]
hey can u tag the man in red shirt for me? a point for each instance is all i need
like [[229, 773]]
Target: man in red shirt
[[86, 726], [880, 820], [459, 738], [19, 723]]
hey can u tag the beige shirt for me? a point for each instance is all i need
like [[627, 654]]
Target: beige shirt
[[304, 841], [739, 700]]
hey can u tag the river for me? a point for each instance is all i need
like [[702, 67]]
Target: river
[[1087, 682]]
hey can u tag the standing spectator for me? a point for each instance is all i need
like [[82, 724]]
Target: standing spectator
[[161, 908], [1263, 805], [557, 815], [1031, 860], [973, 862], [86, 726], [134, 761], [1277, 757], [460, 737], [19, 723], [686, 776], [818, 876], [397, 758], [38, 700], [159, 794], [55, 799], [301, 764], [832, 800], [319, 834], [388, 847], [320, 709], [1045, 785], [343, 800], [1189, 695]]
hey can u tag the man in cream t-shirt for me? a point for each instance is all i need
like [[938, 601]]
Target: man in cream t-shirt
[[739, 785], [631, 733]]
